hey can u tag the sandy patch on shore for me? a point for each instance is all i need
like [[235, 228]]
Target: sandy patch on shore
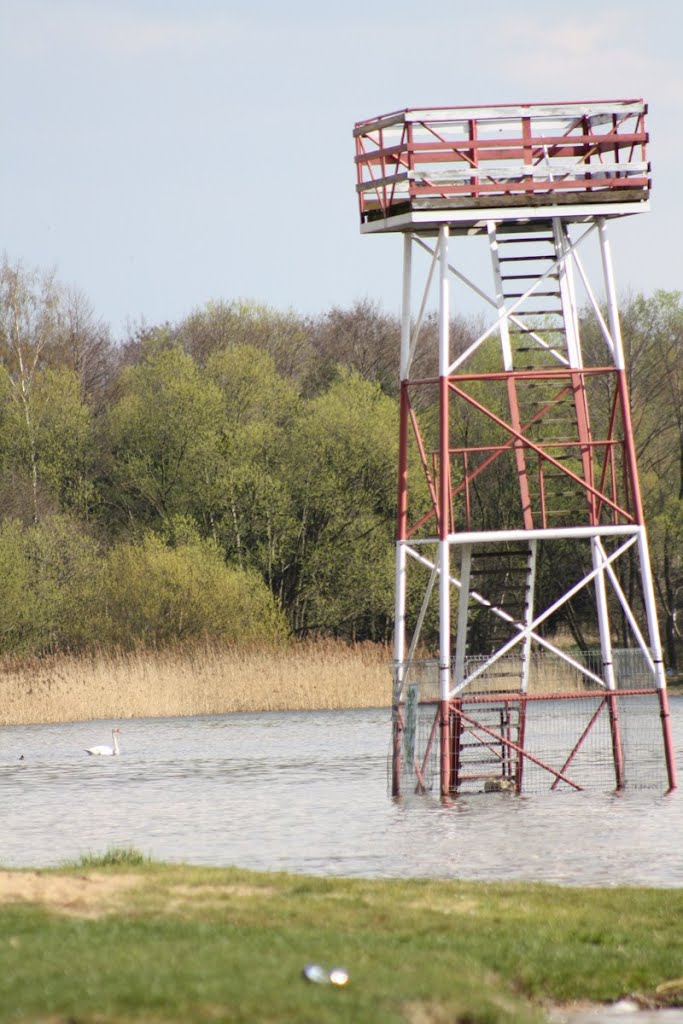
[[88, 895]]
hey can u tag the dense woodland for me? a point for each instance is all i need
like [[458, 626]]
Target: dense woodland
[[233, 476]]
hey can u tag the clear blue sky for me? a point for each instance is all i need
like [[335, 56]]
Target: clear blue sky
[[158, 154]]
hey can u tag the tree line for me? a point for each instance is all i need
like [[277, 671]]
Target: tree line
[[233, 475]]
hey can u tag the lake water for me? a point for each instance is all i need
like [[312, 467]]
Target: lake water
[[307, 792]]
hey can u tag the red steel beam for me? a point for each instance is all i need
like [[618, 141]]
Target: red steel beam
[[579, 743], [532, 446], [541, 447], [466, 150]]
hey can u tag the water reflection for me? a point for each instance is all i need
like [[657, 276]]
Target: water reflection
[[306, 792]]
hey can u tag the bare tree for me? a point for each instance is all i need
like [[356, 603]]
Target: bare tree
[[28, 314], [81, 342]]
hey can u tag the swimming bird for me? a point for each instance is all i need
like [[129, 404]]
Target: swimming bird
[[103, 750]]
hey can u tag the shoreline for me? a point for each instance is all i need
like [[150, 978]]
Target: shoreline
[[202, 680]]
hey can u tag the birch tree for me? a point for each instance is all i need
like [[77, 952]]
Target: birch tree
[[28, 306]]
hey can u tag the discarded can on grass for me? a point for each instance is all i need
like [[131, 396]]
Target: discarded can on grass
[[339, 976], [316, 974]]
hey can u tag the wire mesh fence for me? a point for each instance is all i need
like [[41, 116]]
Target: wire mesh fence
[[566, 731]]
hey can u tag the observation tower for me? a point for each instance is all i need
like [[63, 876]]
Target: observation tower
[[519, 510]]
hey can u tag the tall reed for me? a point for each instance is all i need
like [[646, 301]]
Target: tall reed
[[203, 679]]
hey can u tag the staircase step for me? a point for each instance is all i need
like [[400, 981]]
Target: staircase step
[[527, 277], [537, 330], [532, 295], [500, 553], [542, 348], [474, 746], [509, 239], [504, 570], [537, 312], [481, 778]]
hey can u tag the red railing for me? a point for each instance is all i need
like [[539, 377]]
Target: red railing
[[436, 158]]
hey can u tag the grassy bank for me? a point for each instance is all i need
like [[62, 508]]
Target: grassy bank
[[200, 680], [170, 943]]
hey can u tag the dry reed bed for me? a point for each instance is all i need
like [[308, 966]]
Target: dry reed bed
[[206, 680]]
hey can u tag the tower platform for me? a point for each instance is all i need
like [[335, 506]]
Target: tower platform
[[422, 167]]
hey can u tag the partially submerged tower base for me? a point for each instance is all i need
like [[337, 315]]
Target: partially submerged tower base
[[518, 497]]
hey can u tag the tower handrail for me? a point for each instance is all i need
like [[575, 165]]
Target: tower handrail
[[427, 158]]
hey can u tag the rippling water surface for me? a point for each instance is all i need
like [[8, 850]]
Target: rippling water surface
[[306, 792]]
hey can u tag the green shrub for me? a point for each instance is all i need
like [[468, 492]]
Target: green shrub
[[49, 573], [153, 595]]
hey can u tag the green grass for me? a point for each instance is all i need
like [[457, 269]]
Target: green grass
[[162, 943], [116, 856]]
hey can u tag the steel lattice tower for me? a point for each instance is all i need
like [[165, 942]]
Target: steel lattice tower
[[522, 495]]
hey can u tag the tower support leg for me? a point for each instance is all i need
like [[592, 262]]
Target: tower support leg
[[643, 552], [657, 657], [526, 658], [400, 589], [444, 517], [608, 663]]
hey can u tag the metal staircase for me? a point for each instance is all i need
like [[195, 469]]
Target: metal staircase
[[485, 738], [547, 404], [501, 577]]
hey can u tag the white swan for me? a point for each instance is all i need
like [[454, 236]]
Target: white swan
[[103, 750]]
